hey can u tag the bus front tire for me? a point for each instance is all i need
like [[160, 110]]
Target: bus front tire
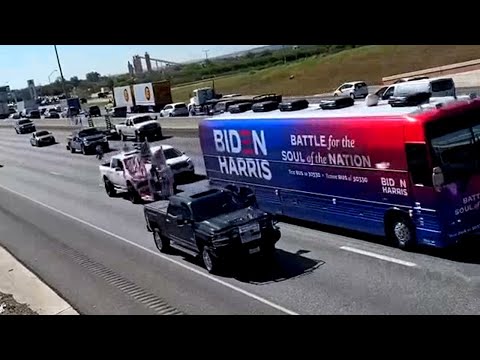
[[401, 231]]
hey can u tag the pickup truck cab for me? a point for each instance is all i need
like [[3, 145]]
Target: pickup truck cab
[[86, 140], [217, 224], [116, 178], [139, 127]]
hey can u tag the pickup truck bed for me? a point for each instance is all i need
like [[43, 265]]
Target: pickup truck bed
[[153, 210], [158, 206]]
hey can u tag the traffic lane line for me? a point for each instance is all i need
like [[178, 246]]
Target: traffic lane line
[[379, 256], [196, 271], [339, 239]]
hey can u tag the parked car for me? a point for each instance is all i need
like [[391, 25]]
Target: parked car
[[354, 89], [41, 138], [176, 109], [51, 114], [24, 126], [34, 114], [217, 224], [86, 141], [94, 111]]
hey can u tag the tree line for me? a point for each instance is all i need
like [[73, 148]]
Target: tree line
[[186, 73]]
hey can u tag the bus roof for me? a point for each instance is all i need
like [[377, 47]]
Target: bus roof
[[359, 109]]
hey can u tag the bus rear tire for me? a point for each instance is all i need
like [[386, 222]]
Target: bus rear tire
[[401, 231]]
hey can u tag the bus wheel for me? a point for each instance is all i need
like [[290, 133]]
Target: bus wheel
[[401, 232]]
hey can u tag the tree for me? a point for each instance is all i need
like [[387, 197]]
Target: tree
[[93, 76], [75, 81], [110, 83]]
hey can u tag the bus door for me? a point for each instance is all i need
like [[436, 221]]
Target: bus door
[[425, 200]]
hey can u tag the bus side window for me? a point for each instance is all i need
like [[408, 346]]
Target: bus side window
[[418, 165]]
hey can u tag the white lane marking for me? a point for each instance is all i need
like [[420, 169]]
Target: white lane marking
[[55, 173], [378, 256], [196, 271]]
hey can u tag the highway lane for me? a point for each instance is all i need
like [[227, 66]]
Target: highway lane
[[316, 272]]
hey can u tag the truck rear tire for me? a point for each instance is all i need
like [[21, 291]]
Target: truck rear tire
[[109, 188], [161, 242], [72, 150]]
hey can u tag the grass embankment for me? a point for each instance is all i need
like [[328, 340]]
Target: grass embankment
[[320, 74]]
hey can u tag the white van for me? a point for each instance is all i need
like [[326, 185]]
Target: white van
[[440, 87]]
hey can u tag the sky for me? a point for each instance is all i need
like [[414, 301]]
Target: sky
[[19, 63]]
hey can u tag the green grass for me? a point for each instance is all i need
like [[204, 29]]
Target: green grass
[[320, 74]]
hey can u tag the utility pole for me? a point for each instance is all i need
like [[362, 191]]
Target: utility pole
[[61, 72], [206, 54]]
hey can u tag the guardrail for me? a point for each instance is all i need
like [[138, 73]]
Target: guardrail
[[437, 71]]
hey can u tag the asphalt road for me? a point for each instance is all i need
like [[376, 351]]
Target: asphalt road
[[96, 252]]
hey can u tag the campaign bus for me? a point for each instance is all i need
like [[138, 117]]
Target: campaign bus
[[409, 173]]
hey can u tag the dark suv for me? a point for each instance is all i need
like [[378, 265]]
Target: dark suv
[[24, 126]]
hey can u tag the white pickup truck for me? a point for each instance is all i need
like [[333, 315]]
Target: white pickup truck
[[139, 127], [116, 178]]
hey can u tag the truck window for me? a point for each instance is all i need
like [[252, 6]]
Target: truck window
[[418, 165], [185, 212], [389, 93], [141, 119], [442, 85], [173, 210], [116, 163]]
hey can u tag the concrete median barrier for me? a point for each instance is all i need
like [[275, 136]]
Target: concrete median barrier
[[181, 127]]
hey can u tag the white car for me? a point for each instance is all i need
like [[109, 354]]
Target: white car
[[176, 109], [354, 89], [181, 164]]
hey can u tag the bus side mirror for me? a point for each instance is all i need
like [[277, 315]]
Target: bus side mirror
[[438, 179]]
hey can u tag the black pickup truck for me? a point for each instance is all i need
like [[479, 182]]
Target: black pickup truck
[[218, 224]]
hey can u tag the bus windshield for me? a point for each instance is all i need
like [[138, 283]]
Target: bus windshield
[[456, 141]]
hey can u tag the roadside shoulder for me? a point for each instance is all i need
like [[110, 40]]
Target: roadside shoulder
[[26, 288]]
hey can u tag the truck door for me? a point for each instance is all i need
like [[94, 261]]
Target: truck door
[[185, 229], [128, 127], [179, 230], [118, 176], [76, 142]]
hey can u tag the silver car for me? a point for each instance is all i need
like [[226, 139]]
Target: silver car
[[354, 89], [176, 109]]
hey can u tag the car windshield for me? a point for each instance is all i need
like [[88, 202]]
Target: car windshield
[[89, 132], [22, 122], [215, 205], [42, 133], [180, 106], [171, 153], [141, 119]]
